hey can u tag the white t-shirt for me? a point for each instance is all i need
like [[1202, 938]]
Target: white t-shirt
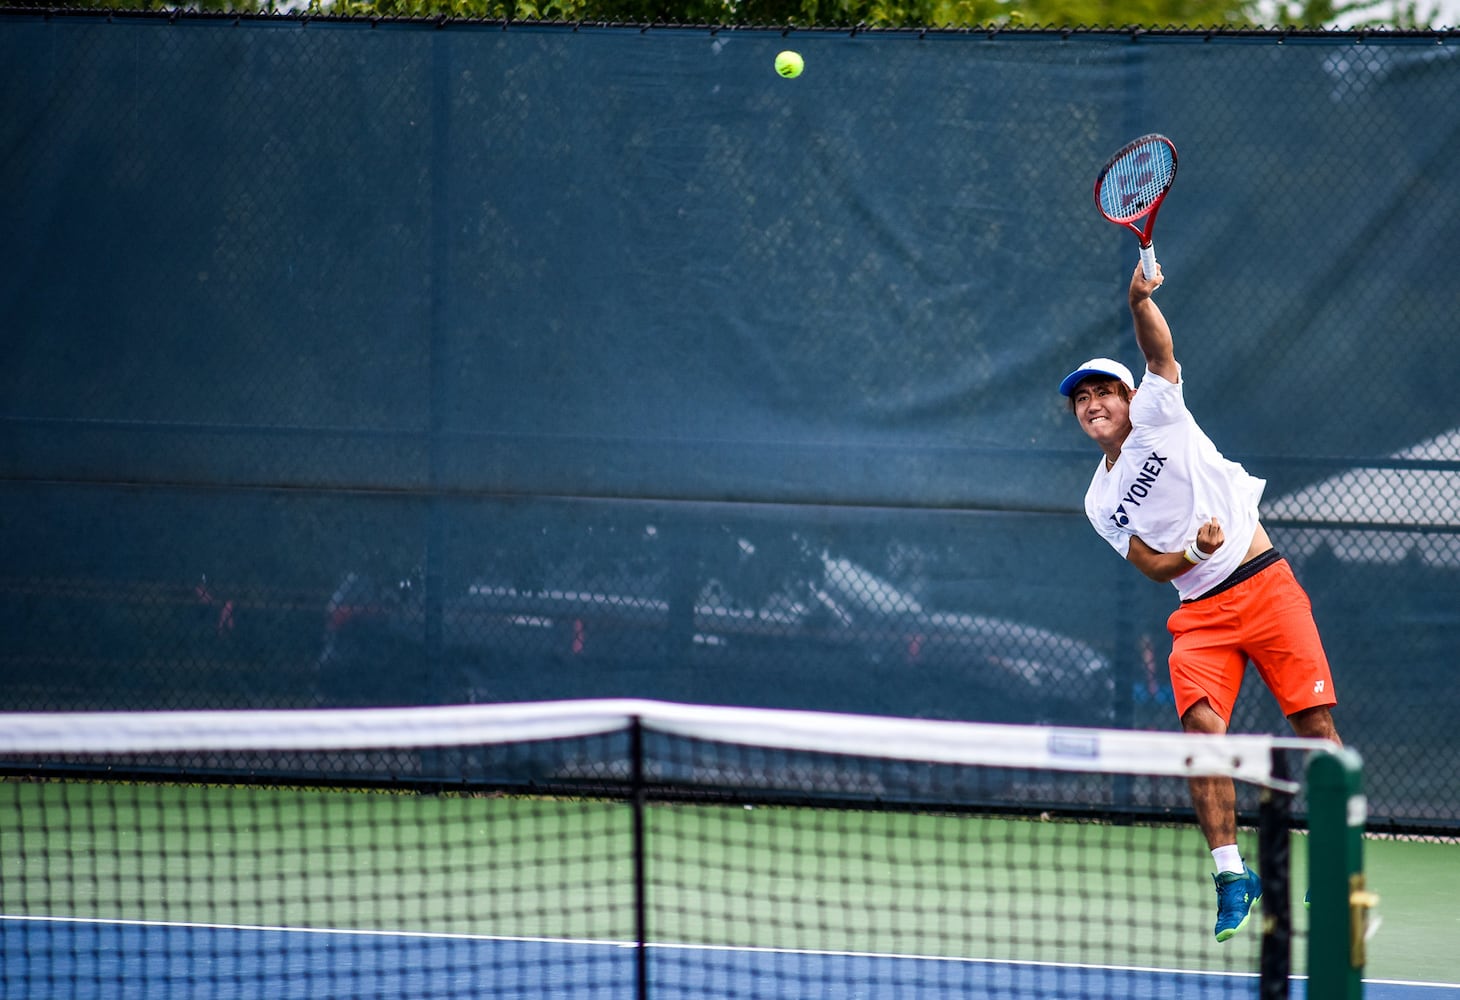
[[1168, 481]]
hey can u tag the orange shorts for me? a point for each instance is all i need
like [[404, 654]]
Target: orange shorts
[[1266, 618]]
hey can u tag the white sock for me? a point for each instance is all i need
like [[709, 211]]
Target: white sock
[[1228, 858]]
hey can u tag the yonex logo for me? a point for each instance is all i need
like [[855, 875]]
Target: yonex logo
[[1317, 687], [1139, 489]]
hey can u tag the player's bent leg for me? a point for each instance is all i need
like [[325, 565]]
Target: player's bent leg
[[1215, 801]]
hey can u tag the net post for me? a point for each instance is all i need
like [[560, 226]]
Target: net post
[[1337, 811], [637, 797], [1275, 855]]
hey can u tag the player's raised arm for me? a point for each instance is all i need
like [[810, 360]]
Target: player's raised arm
[[1153, 335]]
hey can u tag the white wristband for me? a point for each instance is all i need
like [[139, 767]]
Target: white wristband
[[1195, 555]]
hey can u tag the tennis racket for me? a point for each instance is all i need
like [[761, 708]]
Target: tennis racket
[[1132, 186]]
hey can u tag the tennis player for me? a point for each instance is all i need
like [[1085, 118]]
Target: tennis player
[[1167, 500]]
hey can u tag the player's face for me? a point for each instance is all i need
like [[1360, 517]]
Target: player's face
[[1103, 410]]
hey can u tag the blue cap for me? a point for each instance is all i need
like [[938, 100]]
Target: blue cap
[[1097, 366]]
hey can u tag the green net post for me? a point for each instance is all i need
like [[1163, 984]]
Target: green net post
[[1338, 922]]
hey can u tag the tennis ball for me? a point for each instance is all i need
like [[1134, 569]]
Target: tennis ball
[[790, 64]]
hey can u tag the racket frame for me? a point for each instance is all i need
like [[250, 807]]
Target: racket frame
[[1148, 207]]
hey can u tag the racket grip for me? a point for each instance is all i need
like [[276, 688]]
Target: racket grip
[[1148, 261]]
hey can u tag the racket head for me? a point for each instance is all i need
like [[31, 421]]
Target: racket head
[[1131, 185]]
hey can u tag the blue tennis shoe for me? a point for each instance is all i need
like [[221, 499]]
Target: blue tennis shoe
[[1236, 895]]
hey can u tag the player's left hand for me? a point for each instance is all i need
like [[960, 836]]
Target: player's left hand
[[1209, 536]]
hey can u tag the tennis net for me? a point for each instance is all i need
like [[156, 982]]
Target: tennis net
[[625, 849]]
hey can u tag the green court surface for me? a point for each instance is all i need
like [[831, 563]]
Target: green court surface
[[902, 883], [1418, 882]]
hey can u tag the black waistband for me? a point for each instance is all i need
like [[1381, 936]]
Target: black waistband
[[1246, 571]]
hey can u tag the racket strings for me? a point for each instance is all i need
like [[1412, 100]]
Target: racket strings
[[1136, 181]]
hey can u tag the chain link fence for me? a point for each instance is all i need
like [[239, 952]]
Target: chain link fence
[[370, 362]]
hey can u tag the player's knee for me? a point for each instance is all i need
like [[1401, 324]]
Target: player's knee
[[1315, 723], [1202, 718]]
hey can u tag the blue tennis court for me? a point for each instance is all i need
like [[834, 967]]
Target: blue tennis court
[[104, 960]]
